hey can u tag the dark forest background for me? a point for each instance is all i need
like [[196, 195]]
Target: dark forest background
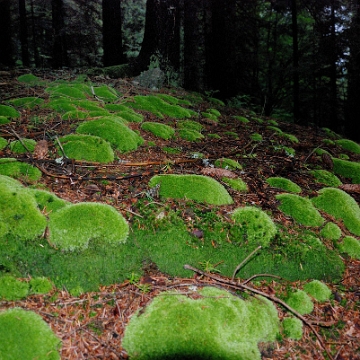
[[297, 60]]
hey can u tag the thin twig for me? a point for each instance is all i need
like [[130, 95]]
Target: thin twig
[[244, 261], [261, 293]]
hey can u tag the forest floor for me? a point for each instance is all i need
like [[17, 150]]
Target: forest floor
[[91, 325]]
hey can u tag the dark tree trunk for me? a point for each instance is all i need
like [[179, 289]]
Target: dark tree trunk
[[112, 33], [34, 36], [333, 120], [353, 103], [296, 87], [162, 35], [5, 34], [59, 54], [24, 34]]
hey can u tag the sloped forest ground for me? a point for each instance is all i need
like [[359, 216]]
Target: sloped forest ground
[[91, 324]]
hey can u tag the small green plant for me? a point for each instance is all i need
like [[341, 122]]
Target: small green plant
[[209, 267], [134, 278]]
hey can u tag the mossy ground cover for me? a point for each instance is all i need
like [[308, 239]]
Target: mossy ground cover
[[168, 231]]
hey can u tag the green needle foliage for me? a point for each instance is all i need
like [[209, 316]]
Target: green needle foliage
[[318, 290], [340, 205], [74, 226], [25, 335], [284, 184], [217, 325], [300, 209], [254, 227], [194, 187]]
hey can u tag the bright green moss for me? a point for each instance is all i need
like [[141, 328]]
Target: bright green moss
[[242, 119], [48, 202], [340, 205], [26, 102], [190, 135], [349, 145], [214, 112], [331, 231], [232, 134], [114, 131], [300, 209], [274, 128], [228, 164], [318, 290], [74, 114], [344, 156], [290, 137], [61, 105], [25, 335], [3, 143], [216, 101], [130, 116], [87, 105], [328, 142], [193, 187], [189, 124], [236, 184], [8, 111], [273, 123], [87, 147], [326, 177], [65, 90], [350, 246], [12, 289], [75, 226], [331, 133], [293, 328], [106, 93], [214, 136], [18, 170], [4, 120], [254, 226], [348, 169], [160, 130], [300, 301], [217, 325], [18, 147], [256, 137], [117, 107], [98, 113], [209, 116], [284, 184], [171, 150], [29, 79], [40, 285]]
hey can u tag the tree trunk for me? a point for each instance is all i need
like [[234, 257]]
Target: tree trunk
[[5, 34], [162, 35], [333, 123], [59, 56], [112, 33], [24, 34]]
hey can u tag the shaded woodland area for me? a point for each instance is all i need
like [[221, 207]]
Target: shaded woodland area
[[293, 59]]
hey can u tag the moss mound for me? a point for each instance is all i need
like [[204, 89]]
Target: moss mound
[[349, 145], [228, 164], [26, 102], [293, 328], [74, 114], [189, 124], [255, 227], [23, 146], [193, 187], [300, 209], [160, 130], [348, 169], [40, 285], [284, 184], [61, 105], [47, 201], [113, 130], [184, 328], [25, 335], [29, 79], [331, 231], [236, 184], [318, 290], [340, 205], [190, 135], [300, 301], [326, 177], [106, 93], [18, 170], [8, 111], [74, 226], [12, 289], [87, 147], [350, 246], [72, 91], [3, 143]]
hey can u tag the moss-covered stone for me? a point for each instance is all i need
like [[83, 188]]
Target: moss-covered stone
[[75, 226], [217, 325], [300, 209], [87, 147], [284, 184], [25, 335], [340, 205], [160, 130], [114, 131], [255, 227], [193, 187]]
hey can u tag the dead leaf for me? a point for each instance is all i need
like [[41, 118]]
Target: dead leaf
[[218, 173]]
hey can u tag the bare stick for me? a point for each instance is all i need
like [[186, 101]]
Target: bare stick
[[261, 293], [244, 261]]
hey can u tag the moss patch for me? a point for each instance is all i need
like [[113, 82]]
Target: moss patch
[[284, 184], [193, 187], [189, 124], [160, 130], [254, 225], [87, 147], [8, 112], [25, 335], [236, 184], [318, 290], [18, 147], [3, 143], [292, 328], [348, 169], [18, 170], [326, 177], [349, 145], [26, 102], [74, 226], [300, 209], [12, 289], [188, 328], [114, 131], [30, 79], [190, 135], [48, 202], [228, 164], [331, 231], [350, 246], [340, 205], [300, 301]]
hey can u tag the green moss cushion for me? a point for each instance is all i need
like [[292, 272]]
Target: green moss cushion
[[193, 187]]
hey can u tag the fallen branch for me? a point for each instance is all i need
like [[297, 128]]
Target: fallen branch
[[270, 297]]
